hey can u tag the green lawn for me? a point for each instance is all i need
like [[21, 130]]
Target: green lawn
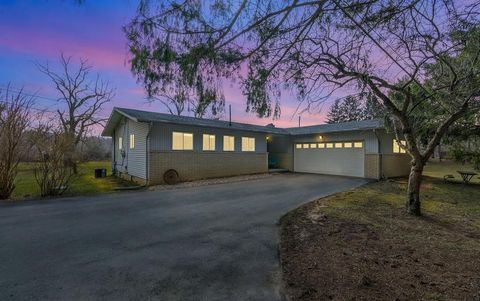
[[83, 183]]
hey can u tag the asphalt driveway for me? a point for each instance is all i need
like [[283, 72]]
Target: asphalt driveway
[[215, 242]]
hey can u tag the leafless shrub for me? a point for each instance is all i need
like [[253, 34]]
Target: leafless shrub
[[52, 173], [14, 121]]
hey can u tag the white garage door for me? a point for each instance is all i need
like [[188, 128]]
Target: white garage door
[[336, 158]]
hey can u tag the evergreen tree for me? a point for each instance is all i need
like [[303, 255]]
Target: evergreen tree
[[348, 109], [333, 115], [372, 108]]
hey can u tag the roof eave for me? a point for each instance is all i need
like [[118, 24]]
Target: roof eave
[[111, 124]]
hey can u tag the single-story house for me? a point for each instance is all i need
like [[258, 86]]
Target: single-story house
[[147, 144]]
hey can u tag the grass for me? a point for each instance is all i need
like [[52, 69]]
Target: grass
[[82, 184], [437, 169], [367, 248]]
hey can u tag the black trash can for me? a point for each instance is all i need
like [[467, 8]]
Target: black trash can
[[100, 172]]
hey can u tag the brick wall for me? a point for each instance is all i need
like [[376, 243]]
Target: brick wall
[[192, 165], [372, 167]]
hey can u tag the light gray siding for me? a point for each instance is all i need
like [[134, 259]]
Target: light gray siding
[[368, 137], [134, 160], [161, 137], [386, 142]]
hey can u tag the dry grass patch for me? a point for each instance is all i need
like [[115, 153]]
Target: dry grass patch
[[360, 245]]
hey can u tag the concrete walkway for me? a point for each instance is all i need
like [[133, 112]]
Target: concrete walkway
[[215, 242]]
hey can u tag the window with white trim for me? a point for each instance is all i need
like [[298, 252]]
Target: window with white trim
[[321, 145], [313, 145], [182, 141], [228, 143], [347, 145], [120, 143], [208, 142], [298, 146], [248, 144], [306, 145], [397, 149], [329, 145], [132, 141], [338, 145]]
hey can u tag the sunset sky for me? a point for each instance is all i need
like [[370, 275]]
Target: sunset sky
[[38, 31]]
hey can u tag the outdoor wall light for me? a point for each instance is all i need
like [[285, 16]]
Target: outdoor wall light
[[320, 137]]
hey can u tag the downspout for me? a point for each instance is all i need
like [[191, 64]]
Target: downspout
[[147, 148], [114, 161], [380, 176]]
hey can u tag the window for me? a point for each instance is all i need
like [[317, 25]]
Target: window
[[396, 146], [321, 145], [306, 145], [208, 142], [228, 143], [298, 145], [132, 141], [347, 145], [358, 144], [182, 141], [313, 145], [120, 143], [338, 145], [248, 144], [329, 145]]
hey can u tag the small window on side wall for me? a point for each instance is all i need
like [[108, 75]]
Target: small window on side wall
[[182, 141], [120, 143], [228, 143], [248, 144], [208, 142], [397, 149], [132, 141]]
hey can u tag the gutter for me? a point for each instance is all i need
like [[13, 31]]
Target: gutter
[[147, 153]]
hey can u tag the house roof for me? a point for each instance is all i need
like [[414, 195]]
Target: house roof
[[337, 127], [146, 116]]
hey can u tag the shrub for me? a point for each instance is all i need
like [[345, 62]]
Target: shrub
[[460, 155], [476, 160], [52, 173]]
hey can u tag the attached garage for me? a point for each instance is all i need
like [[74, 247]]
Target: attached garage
[[332, 158]]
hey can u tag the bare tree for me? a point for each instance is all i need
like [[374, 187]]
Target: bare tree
[[14, 121], [83, 95], [52, 147], [409, 54]]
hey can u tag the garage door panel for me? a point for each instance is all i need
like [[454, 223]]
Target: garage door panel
[[344, 161]]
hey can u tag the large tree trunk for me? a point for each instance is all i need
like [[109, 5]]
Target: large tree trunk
[[413, 190]]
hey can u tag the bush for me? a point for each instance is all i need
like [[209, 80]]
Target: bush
[[52, 171], [476, 160], [459, 155]]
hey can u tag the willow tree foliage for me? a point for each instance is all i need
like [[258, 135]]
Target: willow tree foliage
[[314, 48]]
